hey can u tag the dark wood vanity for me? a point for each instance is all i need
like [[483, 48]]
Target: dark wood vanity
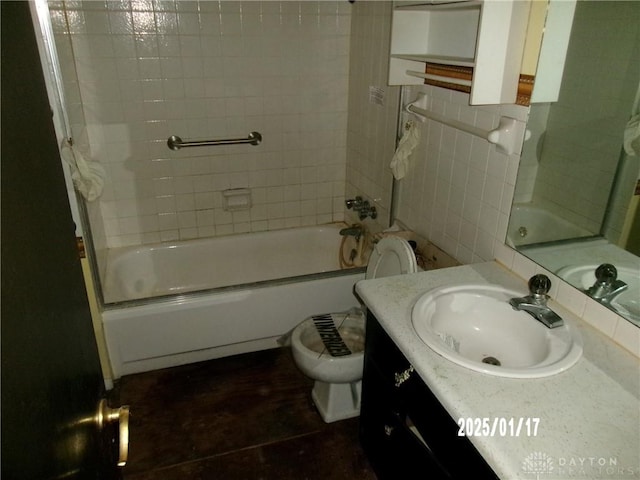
[[404, 430]]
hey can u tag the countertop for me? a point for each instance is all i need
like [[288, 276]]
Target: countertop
[[589, 425]]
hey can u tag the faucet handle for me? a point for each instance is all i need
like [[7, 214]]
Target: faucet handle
[[539, 284], [354, 203], [606, 274]]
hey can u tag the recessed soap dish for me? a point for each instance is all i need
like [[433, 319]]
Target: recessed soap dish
[[236, 199]]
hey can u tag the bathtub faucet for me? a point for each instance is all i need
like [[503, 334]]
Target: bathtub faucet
[[363, 207], [353, 231], [607, 285]]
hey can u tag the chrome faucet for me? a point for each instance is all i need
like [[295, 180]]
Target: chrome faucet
[[353, 231], [361, 206], [606, 286], [355, 203], [535, 304]]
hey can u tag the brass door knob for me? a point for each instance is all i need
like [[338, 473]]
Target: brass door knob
[[107, 415]]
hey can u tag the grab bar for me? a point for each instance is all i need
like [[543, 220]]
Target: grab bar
[[175, 142]]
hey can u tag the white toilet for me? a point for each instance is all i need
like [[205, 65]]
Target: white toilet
[[329, 348]]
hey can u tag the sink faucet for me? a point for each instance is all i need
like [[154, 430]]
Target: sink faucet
[[535, 304], [606, 286]]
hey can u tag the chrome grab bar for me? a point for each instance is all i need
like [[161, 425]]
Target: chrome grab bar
[[175, 142]]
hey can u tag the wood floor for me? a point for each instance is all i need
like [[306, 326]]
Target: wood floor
[[243, 417]]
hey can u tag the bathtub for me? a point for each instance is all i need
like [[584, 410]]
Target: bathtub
[[219, 296], [531, 224]]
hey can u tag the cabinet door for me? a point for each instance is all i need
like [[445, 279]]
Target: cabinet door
[[440, 432], [403, 426], [392, 446]]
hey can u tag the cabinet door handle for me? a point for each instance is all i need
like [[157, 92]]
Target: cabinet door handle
[[401, 377]]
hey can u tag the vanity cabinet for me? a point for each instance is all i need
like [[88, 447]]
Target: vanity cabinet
[[471, 46], [404, 429]]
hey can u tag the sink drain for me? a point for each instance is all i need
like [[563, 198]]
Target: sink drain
[[491, 361]]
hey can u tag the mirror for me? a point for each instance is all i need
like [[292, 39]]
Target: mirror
[[576, 199]]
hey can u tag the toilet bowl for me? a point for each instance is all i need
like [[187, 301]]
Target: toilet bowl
[[329, 348], [316, 362]]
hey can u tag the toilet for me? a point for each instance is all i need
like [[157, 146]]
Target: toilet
[[329, 348]]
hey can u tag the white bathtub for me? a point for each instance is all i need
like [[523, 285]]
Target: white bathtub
[[279, 278], [166, 269], [530, 224]]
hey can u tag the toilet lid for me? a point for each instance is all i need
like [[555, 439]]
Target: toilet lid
[[391, 256]]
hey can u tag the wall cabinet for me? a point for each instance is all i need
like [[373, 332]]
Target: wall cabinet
[[468, 45], [404, 430]]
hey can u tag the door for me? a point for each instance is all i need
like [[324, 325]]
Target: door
[[51, 377]]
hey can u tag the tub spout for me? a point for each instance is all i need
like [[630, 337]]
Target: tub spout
[[352, 231], [353, 257]]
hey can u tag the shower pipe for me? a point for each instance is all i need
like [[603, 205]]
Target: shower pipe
[[396, 185], [175, 143]]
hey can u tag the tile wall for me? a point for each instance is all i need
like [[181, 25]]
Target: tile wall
[[139, 71], [459, 188], [373, 110]]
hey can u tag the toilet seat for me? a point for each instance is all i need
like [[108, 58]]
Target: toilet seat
[[391, 256]]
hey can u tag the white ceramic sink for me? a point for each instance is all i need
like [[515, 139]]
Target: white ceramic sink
[[475, 327], [626, 303]]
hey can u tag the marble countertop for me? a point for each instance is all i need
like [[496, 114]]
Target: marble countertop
[[589, 425]]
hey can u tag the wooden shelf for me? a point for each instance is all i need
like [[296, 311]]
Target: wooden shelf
[[441, 59]]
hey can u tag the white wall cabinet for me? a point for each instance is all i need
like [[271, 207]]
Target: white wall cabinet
[[468, 45]]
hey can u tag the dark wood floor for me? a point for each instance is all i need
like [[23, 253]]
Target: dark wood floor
[[243, 417]]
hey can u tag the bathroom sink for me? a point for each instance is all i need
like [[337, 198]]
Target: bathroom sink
[[626, 303], [475, 327]]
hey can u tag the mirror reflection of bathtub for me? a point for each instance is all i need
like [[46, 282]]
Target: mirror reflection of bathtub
[[531, 224]]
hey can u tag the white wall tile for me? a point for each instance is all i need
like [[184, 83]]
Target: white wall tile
[[210, 70], [628, 336]]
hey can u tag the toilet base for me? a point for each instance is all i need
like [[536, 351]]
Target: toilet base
[[337, 401]]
